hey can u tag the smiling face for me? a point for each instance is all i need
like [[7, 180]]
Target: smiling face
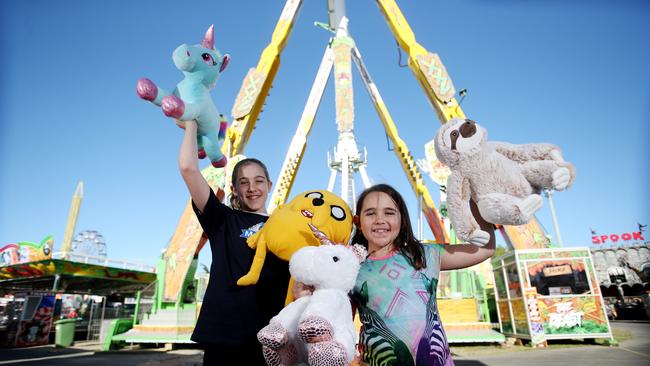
[[380, 222], [252, 187], [326, 211]]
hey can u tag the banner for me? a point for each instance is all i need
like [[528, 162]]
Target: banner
[[614, 238], [527, 236], [573, 316], [35, 322]]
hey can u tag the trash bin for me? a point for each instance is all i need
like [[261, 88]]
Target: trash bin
[[64, 332]]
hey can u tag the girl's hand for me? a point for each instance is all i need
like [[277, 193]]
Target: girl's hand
[[459, 256], [299, 290], [179, 123]]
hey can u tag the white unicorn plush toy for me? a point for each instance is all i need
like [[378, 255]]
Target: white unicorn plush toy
[[317, 330]]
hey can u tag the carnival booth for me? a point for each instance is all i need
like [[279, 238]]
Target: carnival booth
[[547, 294]]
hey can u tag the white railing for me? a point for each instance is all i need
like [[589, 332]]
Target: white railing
[[89, 259]]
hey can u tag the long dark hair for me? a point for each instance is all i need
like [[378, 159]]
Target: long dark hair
[[405, 241], [234, 200]]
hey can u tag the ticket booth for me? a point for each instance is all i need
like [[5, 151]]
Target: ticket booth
[[544, 294]]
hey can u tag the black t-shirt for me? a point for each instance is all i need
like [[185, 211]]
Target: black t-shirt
[[232, 314]]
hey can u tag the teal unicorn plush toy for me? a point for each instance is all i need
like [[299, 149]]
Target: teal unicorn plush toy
[[201, 64]]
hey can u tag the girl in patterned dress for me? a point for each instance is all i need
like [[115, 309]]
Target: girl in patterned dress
[[395, 291]]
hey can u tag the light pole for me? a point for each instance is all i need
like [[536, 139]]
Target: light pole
[[549, 194]]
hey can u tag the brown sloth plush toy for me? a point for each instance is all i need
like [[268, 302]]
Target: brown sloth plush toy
[[502, 178]]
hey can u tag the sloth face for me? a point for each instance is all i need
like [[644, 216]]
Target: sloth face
[[463, 136]]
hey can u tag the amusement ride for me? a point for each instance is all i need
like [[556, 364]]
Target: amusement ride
[[515, 290], [177, 267], [464, 302]]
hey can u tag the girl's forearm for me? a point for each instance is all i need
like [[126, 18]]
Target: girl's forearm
[[188, 163], [188, 157]]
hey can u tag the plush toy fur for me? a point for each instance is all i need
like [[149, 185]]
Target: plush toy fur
[[503, 179], [319, 328], [287, 229], [202, 65]]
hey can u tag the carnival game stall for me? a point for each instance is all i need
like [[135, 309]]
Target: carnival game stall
[[547, 294]]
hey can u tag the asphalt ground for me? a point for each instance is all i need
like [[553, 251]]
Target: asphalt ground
[[633, 351]]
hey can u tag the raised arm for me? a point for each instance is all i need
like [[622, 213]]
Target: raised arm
[[466, 255], [188, 164], [527, 152]]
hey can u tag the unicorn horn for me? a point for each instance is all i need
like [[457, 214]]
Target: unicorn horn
[[324, 240], [208, 39]]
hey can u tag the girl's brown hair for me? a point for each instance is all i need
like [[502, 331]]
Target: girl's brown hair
[[234, 200], [405, 241]]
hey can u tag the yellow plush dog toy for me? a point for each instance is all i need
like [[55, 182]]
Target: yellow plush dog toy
[[287, 228]]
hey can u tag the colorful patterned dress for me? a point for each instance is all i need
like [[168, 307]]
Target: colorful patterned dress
[[398, 311]]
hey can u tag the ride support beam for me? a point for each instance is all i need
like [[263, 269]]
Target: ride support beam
[[294, 155], [258, 82], [427, 67]]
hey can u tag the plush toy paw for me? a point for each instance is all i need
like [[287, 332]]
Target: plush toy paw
[[146, 89], [479, 237], [327, 354], [528, 206], [285, 356], [561, 178], [202, 154], [273, 335], [315, 329], [173, 106], [248, 279], [276, 347], [557, 156], [220, 163], [180, 124]]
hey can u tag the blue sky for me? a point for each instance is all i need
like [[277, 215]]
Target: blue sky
[[574, 73]]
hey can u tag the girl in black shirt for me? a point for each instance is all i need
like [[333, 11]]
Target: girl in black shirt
[[232, 315]]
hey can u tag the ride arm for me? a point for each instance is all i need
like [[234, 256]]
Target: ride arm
[[257, 83], [299, 142], [426, 66], [403, 154]]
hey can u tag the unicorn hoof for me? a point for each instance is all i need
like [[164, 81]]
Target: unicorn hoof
[[327, 354], [220, 163], [273, 335], [146, 89], [285, 356], [202, 154], [313, 329], [173, 106]]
